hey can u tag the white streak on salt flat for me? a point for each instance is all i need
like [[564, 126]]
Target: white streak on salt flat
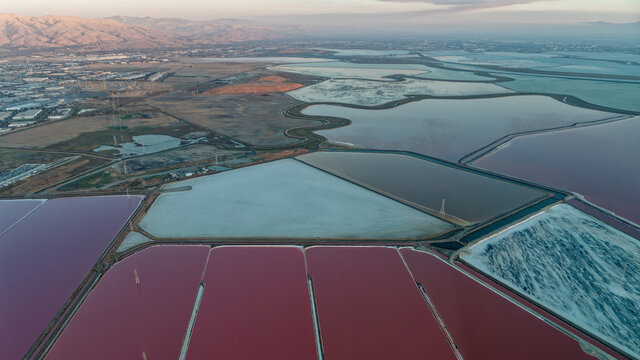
[[574, 265], [372, 93], [283, 199], [132, 240]]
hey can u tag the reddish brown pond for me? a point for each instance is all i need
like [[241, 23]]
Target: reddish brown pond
[[483, 324], [369, 307], [255, 305], [140, 308]]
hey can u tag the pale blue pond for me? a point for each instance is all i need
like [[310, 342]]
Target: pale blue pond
[[588, 63], [616, 95], [377, 71], [132, 240], [342, 69], [143, 144], [283, 199], [574, 265]]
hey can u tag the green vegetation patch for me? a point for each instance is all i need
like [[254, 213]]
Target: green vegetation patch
[[93, 181], [10, 159]]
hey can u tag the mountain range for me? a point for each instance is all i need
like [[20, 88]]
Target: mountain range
[[118, 32]]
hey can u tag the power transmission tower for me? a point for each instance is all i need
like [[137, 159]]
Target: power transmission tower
[[442, 212]]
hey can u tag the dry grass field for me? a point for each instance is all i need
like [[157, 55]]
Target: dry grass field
[[254, 119], [50, 133], [48, 178]]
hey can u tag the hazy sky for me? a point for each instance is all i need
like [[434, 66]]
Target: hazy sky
[[426, 10]]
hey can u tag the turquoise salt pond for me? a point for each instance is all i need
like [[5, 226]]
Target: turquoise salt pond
[[283, 199], [144, 144]]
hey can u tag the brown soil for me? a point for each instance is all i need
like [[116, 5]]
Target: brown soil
[[272, 78], [254, 119]]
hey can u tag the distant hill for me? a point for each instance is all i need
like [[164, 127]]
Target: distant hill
[[216, 31], [28, 32]]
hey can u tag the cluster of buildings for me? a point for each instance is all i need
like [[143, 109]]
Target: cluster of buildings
[[12, 176], [35, 91]]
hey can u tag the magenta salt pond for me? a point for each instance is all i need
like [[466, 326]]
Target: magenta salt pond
[[599, 162], [12, 211], [44, 258]]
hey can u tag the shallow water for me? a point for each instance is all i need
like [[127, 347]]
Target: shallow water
[[445, 74], [340, 69], [579, 62], [378, 71], [367, 52], [599, 162], [467, 196], [266, 59], [615, 95], [448, 128]]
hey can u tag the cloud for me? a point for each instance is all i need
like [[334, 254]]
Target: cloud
[[464, 5]]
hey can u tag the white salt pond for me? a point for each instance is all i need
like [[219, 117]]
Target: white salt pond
[[450, 128], [574, 265], [132, 240], [283, 199], [143, 144], [373, 93]]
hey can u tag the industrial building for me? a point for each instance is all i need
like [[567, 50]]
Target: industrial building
[[60, 114], [31, 114]]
